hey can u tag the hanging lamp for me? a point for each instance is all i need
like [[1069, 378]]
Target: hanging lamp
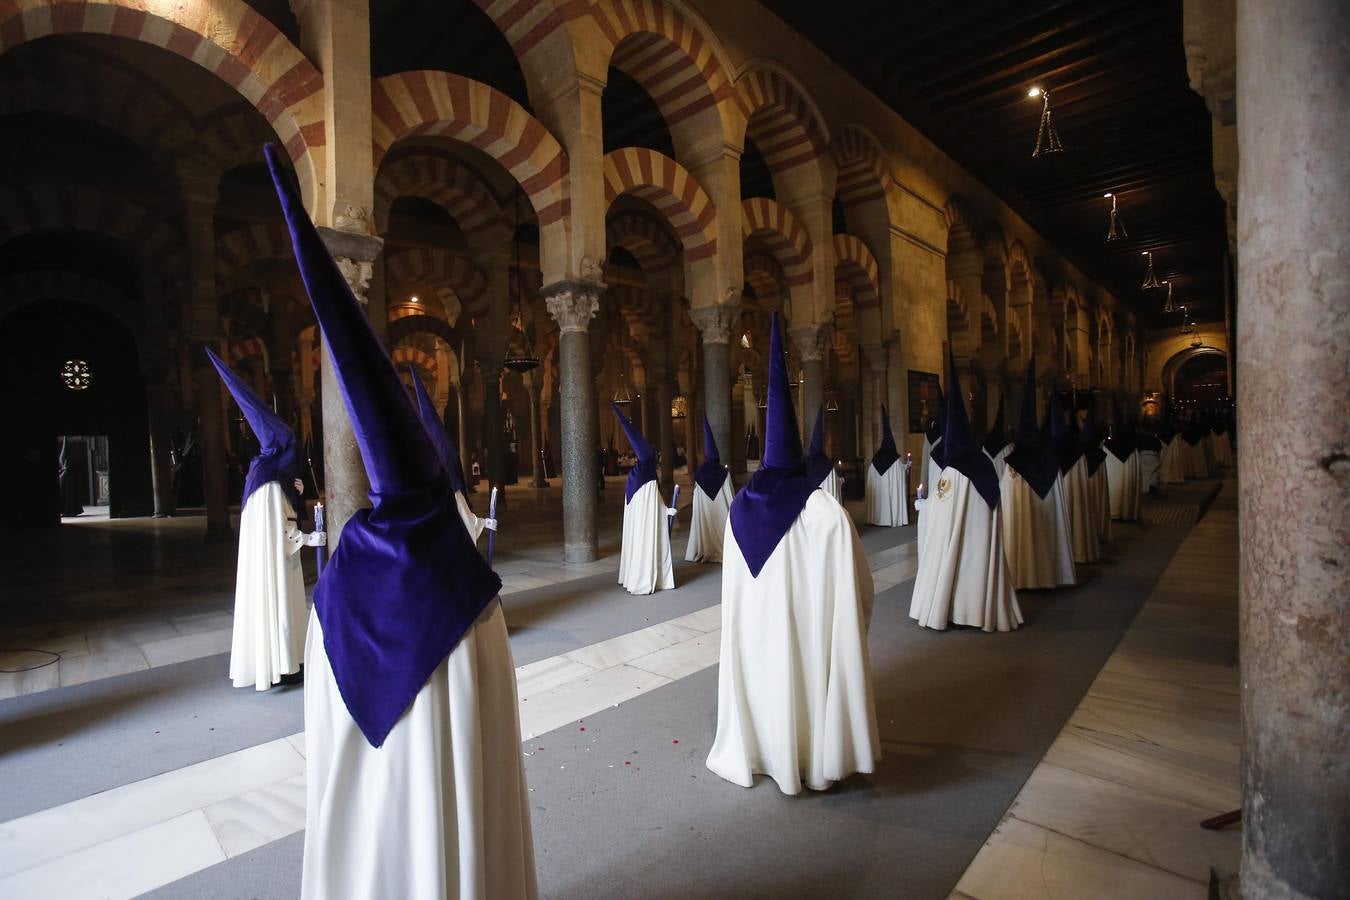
[[1116, 231], [1150, 280], [1169, 306], [621, 396], [1047, 137]]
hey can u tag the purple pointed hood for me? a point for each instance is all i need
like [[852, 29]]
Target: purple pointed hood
[[934, 430], [887, 453], [1063, 436], [997, 438], [445, 448], [959, 449], [279, 458], [817, 463], [1031, 457], [405, 582], [775, 495], [1091, 440], [645, 470], [1121, 441], [710, 474]]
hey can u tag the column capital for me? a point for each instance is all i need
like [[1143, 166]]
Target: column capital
[[573, 302], [355, 255], [715, 322], [810, 340], [875, 354]]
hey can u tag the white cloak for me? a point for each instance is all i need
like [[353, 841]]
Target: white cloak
[[708, 523], [471, 519], [886, 497], [794, 689], [963, 576], [1035, 533], [269, 592], [1000, 459], [441, 809], [1172, 462], [1123, 481], [1223, 449], [645, 562], [1149, 464], [1079, 499], [1196, 464]]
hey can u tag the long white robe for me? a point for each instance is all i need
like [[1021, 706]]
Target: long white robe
[[441, 808], [1081, 502], [1194, 456], [1172, 462], [708, 523], [886, 497], [1001, 459], [963, 576], [645, 562], [1223, 449], [1149, 464], [1123, 481], [270, 612], [471, 519], [1035, 533], [794, 689]]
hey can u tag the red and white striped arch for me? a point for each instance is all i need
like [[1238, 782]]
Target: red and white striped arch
[[781, 234], [425, 267], [662, 182], [782, 120], [652, 246], [854, 263], [863, 175], [446, 182], [225, 37]]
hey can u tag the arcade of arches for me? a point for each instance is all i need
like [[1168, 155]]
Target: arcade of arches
[[545, 205]]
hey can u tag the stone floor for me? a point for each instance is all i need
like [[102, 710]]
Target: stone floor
[[1113, 810]]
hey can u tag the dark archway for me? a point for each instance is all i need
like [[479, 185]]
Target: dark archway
[[35, 343]]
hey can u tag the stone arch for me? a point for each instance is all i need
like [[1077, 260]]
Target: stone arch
[[237, 249], [444, 181], [435, 267], [672, 55], [538, 35], [646, 239], [408, 325], [226, 37], [1176, 361], [40, 285], [765, 276], [863, 174], [854, 263], [786, 126], [32, 208], [460, 109], [782, 234]]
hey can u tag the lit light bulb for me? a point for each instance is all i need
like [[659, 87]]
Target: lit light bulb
[[413, 298], [1034, 92], [1108, 195]]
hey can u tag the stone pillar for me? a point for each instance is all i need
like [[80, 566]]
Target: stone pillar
[[494, 443], [1293, 351], [161, 445], [533, 384], [665, 427], [346, 487], [810, 347], [716, 323], [462, 434], [572, 304]]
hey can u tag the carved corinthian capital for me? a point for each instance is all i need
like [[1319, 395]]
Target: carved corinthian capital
[[355, 255], [572, 303], [811, 340], [715, 322]]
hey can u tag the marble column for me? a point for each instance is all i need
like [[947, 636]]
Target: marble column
[[665, 427], [1293, 353], [346, 487], [533, 385], [494, 440], [716, 323], [810, 342], [572, 304], [161, 445]]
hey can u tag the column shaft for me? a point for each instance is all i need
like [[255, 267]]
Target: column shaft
[[572, 304], [1293, 353]]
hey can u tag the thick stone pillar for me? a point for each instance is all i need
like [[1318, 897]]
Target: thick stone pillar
[[716, 323], [665, 427], [572, 304], [161, 445], [810, 348], [533, 385], [1293, 352], [346, 487], [494, 439]]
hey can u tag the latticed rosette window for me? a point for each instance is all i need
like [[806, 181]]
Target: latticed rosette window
[[76, 374]]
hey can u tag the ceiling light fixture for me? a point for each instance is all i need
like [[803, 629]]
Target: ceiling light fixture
[[1047, 137], [1150, 280], [1169, 306], [1117, 229]]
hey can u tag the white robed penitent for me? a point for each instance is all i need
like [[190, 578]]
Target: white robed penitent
[[963, 576], [886, 491], [794, 690], [1171, 464], [270, 608], [414, 780], [1078, 498], [1122, 477], [712, 495], [1036, 536], [645, 562]]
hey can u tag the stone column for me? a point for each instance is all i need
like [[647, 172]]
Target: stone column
[[533, 384], [1293, 352], [716, 323], [665, 433], [161, 461], [494, 444], [462, 433], [572, 304], [346, 487], [810, 342]]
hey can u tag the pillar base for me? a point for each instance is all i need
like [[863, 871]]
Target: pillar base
[[217, 533], [580, 553]]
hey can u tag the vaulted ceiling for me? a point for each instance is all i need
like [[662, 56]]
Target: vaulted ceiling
[[1116, 72]]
